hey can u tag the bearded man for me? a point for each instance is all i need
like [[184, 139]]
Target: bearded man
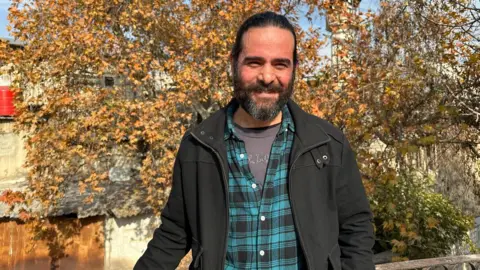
[[261, 184]]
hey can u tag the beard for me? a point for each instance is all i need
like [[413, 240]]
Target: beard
[[268, 110]]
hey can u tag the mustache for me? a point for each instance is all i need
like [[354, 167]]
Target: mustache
[[264, 89]]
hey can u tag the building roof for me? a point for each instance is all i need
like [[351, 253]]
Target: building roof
[[13, 42], [119, 199]]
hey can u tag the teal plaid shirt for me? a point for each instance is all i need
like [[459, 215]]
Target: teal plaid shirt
[[262, 232]]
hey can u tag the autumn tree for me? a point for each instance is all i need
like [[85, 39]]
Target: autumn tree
[[395, 101]]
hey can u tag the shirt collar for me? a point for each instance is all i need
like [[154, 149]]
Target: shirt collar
[[286, 124]]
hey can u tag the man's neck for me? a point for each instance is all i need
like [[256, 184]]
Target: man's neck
[[245, 120]]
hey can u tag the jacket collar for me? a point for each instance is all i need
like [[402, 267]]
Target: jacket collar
[[307, 128]]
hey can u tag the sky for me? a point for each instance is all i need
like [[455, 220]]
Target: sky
[[4, 4], [365, 5]]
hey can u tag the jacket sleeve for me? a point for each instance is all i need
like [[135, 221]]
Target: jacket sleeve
[[356, 237], [170, 242]]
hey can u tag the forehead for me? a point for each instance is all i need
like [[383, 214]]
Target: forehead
[[268, 42]]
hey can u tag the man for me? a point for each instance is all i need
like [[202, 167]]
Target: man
[[261, 184]]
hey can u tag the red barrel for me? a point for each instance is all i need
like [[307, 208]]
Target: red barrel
[[6, 102]]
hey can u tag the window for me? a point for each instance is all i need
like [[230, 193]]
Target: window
[[108, 81]]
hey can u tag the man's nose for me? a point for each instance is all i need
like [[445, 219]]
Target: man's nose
[[266, 75]]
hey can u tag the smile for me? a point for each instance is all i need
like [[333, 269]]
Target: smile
[[264, 94]]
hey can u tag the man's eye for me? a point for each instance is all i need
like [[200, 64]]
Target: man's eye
[[254, 64], [281, 66]]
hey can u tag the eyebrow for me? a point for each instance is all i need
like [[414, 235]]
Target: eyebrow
[[261, 59], [282, 61], [253, 58]]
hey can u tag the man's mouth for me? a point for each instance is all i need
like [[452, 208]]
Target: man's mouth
[[265, 94]]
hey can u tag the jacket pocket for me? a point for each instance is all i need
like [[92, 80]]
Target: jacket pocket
[[197, 252], [334, 262]]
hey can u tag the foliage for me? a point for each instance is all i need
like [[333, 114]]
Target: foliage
[[414, 221], [399, 81], [78, 130], [395, 93]]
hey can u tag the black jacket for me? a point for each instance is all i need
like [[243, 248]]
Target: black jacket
[[329, 205]]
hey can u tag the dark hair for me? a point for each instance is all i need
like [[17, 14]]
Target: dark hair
[[263, 19]]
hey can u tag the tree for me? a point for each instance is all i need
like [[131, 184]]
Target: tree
[[69, 44], [394, 100]]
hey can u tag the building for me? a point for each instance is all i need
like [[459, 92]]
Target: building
[[114, 229], [475, 233]]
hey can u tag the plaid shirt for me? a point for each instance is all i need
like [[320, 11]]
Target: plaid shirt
[[262, 231]]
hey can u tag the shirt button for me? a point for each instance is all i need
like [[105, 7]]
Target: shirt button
[[242, 155], [262, 252], [262, 218], [254, 185]]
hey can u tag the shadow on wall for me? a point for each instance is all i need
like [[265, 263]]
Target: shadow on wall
[[126, 239], [85, 251], [43, 263]]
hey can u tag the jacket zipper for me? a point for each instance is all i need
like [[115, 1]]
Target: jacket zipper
[[226, 194], [302, 243]]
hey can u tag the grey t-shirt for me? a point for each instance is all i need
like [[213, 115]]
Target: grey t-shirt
[[258, 143]]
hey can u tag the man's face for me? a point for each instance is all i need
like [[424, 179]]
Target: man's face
[[264, 73]]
